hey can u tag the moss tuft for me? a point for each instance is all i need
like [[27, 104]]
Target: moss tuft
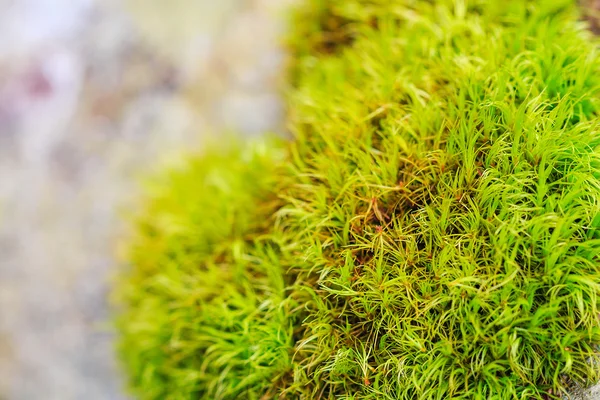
[[205, 313], [432, 232]]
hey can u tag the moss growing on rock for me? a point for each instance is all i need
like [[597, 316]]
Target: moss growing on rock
[[206, 315], [431, 232]]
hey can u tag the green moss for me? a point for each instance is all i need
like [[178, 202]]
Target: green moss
[[431, 232], [206, 314]]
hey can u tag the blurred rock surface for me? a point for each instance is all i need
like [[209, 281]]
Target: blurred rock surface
[[94, 94]]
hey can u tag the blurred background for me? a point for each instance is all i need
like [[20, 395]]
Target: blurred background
[[93, 95]]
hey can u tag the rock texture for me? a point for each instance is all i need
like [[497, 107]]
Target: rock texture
[[93, 95]]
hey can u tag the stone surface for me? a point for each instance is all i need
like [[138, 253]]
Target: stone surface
[[93, 95]]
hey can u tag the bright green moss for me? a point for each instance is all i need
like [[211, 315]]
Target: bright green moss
[[432, 233], [206, 314]]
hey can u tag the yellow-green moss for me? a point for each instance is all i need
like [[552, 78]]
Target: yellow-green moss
[[205, 314], [431, 232]]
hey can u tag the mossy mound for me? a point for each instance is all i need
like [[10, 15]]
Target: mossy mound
[[206, 313], [431, 232]]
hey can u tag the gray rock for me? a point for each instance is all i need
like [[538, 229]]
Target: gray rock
[[96, 96]]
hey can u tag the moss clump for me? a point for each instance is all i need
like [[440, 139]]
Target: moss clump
[[431, 233], [206, 314]]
